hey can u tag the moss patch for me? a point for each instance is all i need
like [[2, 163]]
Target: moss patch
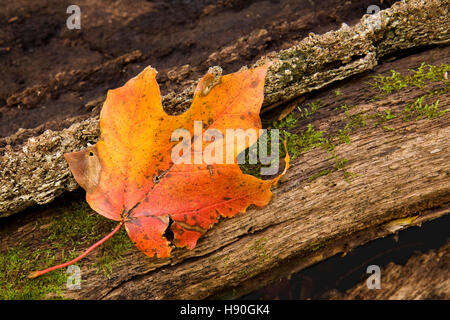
[[16, 263], [80, 227], [419, 109], [261, 253], [419, 78], [63, 236], [310, 137], [310, 109]]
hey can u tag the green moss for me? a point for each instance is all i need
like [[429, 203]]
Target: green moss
[[419, 110], [383, 117], [18, 262], [310, 109], [394, 82], [112, 252], [296, 143], [261, 253], [419, 78], [75, 226], [352, 121], [226, 261], [287, 123], [357, 120], [317, 245], [67, 235], [344, 135], [388, 128], [426, 73], [305, 141], [320, 174], [340, 163], [348, 175], [338, 92], [80, 227], [260, 250]]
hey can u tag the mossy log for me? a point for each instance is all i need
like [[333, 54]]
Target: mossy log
[[396, 175], [35, 172], [400, 172]]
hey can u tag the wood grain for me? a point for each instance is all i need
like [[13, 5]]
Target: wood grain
[[399, 173]]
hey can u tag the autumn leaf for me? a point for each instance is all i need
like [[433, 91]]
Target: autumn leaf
[[130, 175]]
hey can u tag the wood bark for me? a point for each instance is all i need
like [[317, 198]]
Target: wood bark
[[398, 173], [404, 172], [35, 172]]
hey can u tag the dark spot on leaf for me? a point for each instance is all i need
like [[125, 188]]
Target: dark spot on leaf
[[168, 233]]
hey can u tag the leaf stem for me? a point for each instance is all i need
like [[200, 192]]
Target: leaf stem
[[84, 254]]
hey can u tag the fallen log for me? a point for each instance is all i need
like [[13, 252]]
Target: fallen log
[[396, 174], [400, 172], [35, 172]]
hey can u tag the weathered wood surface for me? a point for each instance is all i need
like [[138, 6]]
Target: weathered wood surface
[[35, 172], [400, 173], [425, 276]]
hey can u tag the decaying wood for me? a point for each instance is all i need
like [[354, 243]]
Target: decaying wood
[[35, 172], [404, 172], [425, 276], [400, 173]]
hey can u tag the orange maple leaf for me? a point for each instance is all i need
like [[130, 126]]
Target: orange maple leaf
[[130, 176]]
